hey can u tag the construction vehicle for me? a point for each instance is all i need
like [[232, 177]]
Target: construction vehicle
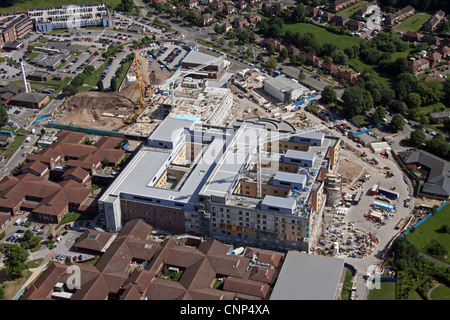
[[130, 119]]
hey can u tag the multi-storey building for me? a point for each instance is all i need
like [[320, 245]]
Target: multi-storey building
[[70, 16], [204, 180]]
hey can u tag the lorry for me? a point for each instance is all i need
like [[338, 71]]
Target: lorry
[[388, 193]]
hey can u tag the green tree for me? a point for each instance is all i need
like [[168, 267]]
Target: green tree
[[436, 249], [424, 119], [114, 84], [270, 47], [417, 137], [15, 261], [438, 146], [283, 54], [100, 85], [413, 100], [397, 122], [328, 95], [447, 125], [3, 116], [69, 90], [125, 6], [302, 76], [218, 28], [356, 100], [243, 36], [272, 63], [160, 7], [378, 115]]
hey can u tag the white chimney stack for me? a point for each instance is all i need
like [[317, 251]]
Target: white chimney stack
[[24, 77]]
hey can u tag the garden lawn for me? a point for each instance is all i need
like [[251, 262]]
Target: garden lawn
[[386, 292], [414, 23], [427, 231], [352, 10], [323, 35], [441, 293]]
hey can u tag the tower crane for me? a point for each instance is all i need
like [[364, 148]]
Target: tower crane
[[139, 81]]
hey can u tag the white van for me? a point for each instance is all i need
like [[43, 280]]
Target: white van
[[24, 221], [18, 221]]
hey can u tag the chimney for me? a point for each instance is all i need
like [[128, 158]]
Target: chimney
[[24, 77]]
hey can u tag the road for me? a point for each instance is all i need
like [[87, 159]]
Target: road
[[385, 233]]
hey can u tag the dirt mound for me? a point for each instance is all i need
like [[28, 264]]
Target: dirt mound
[[101, 109]]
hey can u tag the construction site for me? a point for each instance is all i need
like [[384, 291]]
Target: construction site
[[128, 110]]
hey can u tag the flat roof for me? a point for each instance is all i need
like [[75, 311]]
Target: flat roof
[[237, 154], [197, 57], [306, 276], [284, 84], [302, 155], [279, 202], [290, 177], [169, 129]]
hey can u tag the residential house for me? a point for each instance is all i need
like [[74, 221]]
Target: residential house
[[337, 5], [348, 76], [241, 5], [278, 45], [240, 22], [445, 52], [330, 68], [434, 21], [191, 4], [252, 17], [412, 36], [439, 117], [435, 78], [312, 11], [207, 18], [254, 37], [399, 15], [431, 39], [361, 13], [227, 27], [217, 5], [313, 60], [434, 58], [293, 50], [420, 64], [339, 21], [325, 16], [355, 25], [228, 10]]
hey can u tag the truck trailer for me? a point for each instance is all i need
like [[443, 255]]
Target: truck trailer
[[388, 193]]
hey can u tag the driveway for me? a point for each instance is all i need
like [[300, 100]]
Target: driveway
[[374, 21]]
